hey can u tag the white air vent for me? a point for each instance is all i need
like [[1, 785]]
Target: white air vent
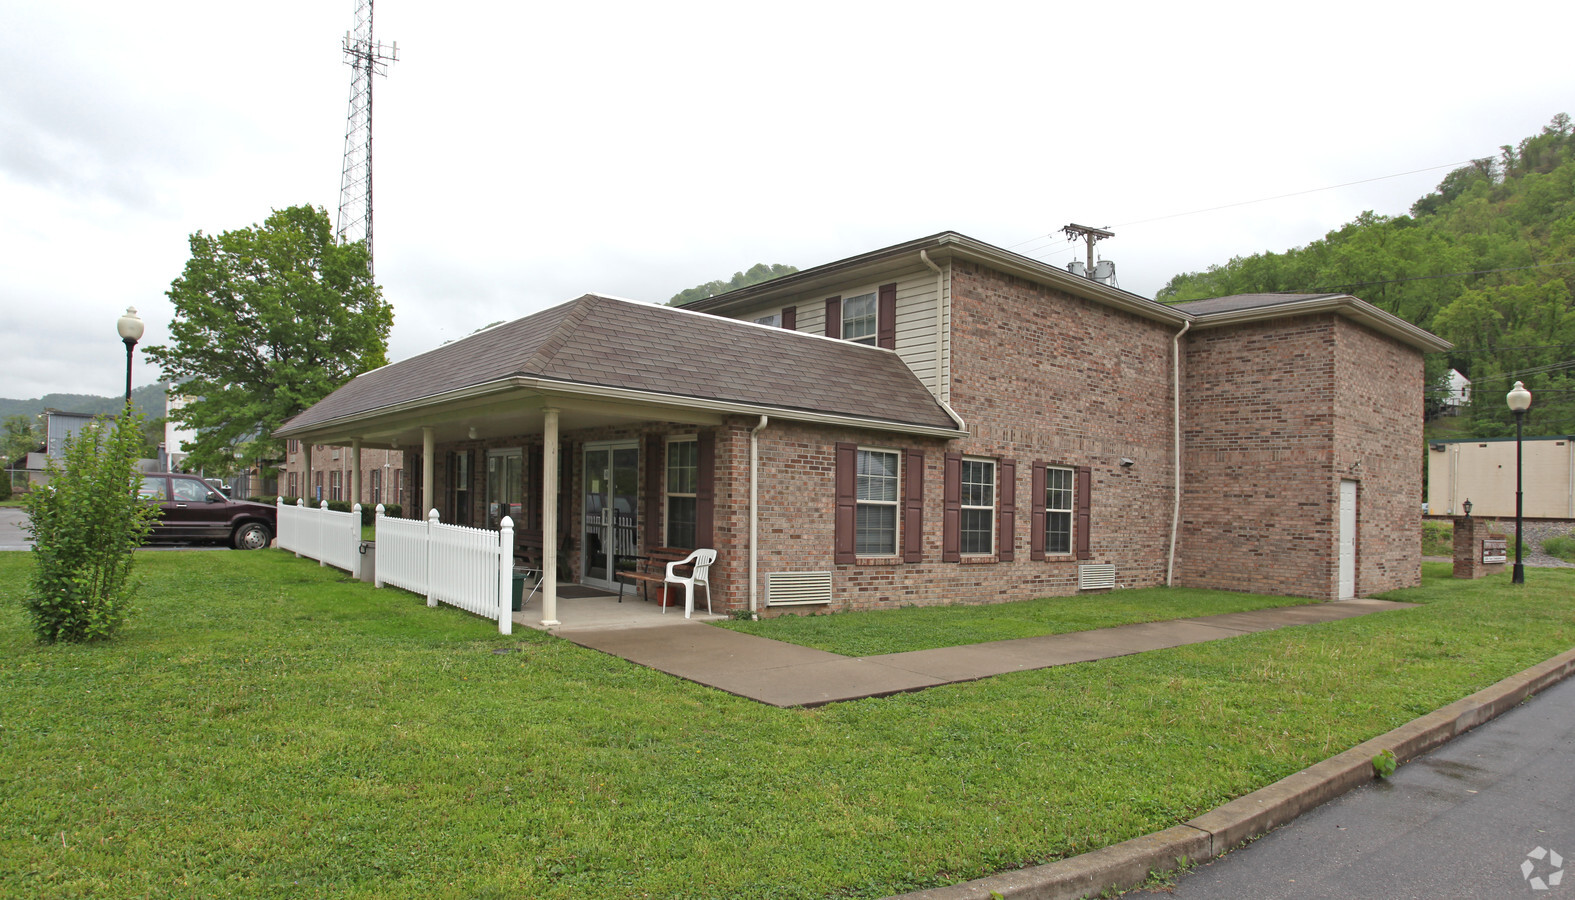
[[1096, 577], [797, 588]]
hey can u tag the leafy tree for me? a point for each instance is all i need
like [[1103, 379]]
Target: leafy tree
[[1486, 261], [757, 273], [268, 320], [19, 436], [84, 525]]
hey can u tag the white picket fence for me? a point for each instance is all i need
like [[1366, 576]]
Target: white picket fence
[[332, 538], [470, 568]]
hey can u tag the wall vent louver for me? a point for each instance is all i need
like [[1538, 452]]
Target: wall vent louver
[[1096, 577], [798, 588]]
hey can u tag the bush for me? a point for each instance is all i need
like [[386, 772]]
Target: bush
[[84, 525], [1562, 546], [1438, 539], [5, 484]]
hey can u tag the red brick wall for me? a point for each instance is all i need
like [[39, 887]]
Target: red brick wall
[[1379, 443], [1274, 415]]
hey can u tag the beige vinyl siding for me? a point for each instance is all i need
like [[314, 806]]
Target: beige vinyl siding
[[915, 320]]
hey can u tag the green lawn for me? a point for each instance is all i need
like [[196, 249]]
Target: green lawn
[[266, 728], [924, 628]]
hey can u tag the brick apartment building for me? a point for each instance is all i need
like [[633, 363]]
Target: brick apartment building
[[935, 422], [330, 474]]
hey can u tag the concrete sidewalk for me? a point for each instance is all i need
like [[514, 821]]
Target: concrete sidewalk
[[789, 675]]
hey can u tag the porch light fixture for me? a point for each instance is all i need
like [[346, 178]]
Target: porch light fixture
[[130, 328], [1466, 506], [472, 432], [1519, 400]]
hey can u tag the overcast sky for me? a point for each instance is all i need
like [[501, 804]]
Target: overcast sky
[[527, 153]]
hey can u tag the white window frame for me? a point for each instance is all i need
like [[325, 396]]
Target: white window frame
[[771, 320], [667, 483], [894, 504], [1070, 512], [991, 517], [873, 292]]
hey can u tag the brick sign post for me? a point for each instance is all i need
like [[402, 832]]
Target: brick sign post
[[1478, 550]]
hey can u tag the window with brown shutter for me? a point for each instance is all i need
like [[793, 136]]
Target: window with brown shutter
[[886, 317], [1006, 530], [1036, 512], [951, 515], [834, 317], [913, 507], [705, 493], [655, 459], [1085, 483], [846, 504], [790, 318]]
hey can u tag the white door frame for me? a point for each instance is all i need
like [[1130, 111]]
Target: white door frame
[[1345, 546], [606, 527]]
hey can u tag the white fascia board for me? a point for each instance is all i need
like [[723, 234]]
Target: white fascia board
[[1344, 304]]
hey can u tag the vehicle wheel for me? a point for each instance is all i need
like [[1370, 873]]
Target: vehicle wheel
[[252, 536]]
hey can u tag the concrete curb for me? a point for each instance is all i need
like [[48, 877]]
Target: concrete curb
[[1128, 864]]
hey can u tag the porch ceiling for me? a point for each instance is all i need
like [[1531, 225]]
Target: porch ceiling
[[507, 411]]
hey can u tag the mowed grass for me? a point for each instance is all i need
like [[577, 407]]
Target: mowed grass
[[265, 729], [871, 633]]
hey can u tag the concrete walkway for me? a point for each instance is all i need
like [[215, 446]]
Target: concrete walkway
[[789, 675]]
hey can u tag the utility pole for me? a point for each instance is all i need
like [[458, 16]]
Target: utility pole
[[366, 58], [1089, 234]]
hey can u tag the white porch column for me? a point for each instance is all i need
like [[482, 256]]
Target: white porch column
[[355, 471], [549, 520], [428, 450]]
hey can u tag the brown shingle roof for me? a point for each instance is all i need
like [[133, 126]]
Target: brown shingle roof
[[613, 343]]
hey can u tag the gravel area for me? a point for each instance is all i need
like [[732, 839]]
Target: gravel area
[[1536, 533]]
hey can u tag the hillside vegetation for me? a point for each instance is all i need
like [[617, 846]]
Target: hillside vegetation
[[1486, 261]]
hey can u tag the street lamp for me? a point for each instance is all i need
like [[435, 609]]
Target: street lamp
[[1519, 400], [130, 328]]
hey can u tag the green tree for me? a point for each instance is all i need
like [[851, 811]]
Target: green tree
[[19, 436], [268, 320], [757, 273], [84, 525]]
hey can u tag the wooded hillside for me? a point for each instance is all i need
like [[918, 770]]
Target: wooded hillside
[[1486, 261]]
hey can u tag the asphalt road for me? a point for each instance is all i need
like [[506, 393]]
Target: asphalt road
[[12, 537], [1459, 822]]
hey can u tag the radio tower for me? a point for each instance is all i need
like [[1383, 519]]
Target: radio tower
[[365, 58]]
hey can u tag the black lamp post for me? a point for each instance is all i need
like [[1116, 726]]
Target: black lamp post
[[1519, 401], [130, 331]]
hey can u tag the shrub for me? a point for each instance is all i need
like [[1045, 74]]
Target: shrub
[[84, 525], [1562, 546], [1438, 539], [5, 484]]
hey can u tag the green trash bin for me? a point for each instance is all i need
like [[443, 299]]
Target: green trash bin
[[519, 587]]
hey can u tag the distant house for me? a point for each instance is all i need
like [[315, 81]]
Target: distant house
[[1482, 470], [58, 427], [939, 421]]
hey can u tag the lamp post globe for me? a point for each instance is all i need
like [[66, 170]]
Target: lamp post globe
[[130, 328], [1519, 400]]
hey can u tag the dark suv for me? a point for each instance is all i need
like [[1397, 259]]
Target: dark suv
[[191, 510]]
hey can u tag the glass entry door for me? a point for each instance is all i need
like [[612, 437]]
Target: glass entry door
[[612, 483]]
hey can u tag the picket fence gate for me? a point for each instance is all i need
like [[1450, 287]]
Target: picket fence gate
[[332, 538]]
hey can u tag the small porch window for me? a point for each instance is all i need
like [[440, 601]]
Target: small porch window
[[683, 477]]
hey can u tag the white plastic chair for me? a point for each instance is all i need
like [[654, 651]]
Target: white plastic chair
[[701, 560]]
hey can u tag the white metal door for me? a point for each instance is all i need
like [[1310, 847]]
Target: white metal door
[[1347, 539]]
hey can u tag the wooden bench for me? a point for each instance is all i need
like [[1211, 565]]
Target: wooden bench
[[648, 570]]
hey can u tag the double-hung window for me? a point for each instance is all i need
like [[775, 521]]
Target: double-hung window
[[875, 519], [774, 320], [683, 477], [1058, 511], [336, 486], [978, 507], [859, 319]]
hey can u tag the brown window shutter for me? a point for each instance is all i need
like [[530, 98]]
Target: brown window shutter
[[532, 495], [705, 491], [1085, 484], [951, 517], [790, 318], [1036, 516], [655, 461], [1006, 513], [913, 508], [886, 317], [844, 548], [834, 317]]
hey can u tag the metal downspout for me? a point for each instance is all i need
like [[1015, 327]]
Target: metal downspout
[[1175, 417], [754, 512]]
